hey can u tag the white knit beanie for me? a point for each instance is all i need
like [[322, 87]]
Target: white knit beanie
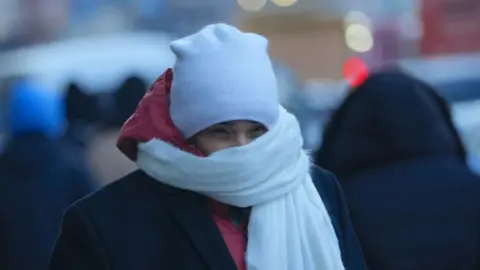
[[222, 74]]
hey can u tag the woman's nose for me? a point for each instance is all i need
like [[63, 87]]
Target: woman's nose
[[242, 139]]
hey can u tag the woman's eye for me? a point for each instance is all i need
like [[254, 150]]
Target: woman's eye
[[219, 131], [258, 131], [261, 129]]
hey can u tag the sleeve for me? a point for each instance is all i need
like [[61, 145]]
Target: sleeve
[[77, 247], [351, 252]]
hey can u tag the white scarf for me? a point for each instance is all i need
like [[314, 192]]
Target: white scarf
[[289, 227]]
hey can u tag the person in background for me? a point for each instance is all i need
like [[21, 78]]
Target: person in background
[[127, 97], [38, 179], [413, 201], [83, 113], [223, 182], [107, 163]]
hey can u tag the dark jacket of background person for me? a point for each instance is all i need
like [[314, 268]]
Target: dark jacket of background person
[[39, 179], [84, 114], [413, 202], [139, 223]]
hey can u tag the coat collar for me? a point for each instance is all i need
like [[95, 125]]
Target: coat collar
[[191, 212]]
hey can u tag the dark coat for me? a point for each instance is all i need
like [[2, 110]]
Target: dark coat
[[39, 179], [413, 201], [140, 223]]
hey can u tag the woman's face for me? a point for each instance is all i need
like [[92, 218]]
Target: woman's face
[[226, 135]]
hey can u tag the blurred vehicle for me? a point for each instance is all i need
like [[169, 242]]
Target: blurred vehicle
[[464, 96], [466, 117], [455, 77], [462, 90], [98, 64]]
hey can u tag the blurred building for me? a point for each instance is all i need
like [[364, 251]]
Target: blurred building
[[303, 41], [43, 20], [311, 36], [183, 17], [450, 26], [8, 18], [38, 21], [317, 37]]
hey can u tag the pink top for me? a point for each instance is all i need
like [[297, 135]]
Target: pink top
[[233, 235]]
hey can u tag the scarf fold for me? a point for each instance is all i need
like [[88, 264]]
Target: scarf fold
[[289, 227]]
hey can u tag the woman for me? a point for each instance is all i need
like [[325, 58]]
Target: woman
[[413, 200], [223, 180]]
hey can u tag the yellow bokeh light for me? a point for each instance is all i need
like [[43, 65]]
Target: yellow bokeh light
[[252, 5], [359, 38], [284, 3]]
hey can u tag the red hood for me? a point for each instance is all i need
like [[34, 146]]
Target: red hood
[[152, 120]]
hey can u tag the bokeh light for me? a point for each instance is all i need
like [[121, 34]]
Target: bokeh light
[[284, 3], [252, 5], [355, 71], [359, 38]]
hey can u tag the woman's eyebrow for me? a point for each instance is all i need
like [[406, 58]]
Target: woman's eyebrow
[[232, 123], [228, 123]]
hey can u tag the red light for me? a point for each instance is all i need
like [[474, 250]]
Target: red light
[[355, 71]]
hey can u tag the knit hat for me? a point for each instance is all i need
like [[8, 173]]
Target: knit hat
[[222, 74]]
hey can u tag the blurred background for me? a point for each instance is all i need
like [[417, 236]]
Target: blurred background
[[101, 55]]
